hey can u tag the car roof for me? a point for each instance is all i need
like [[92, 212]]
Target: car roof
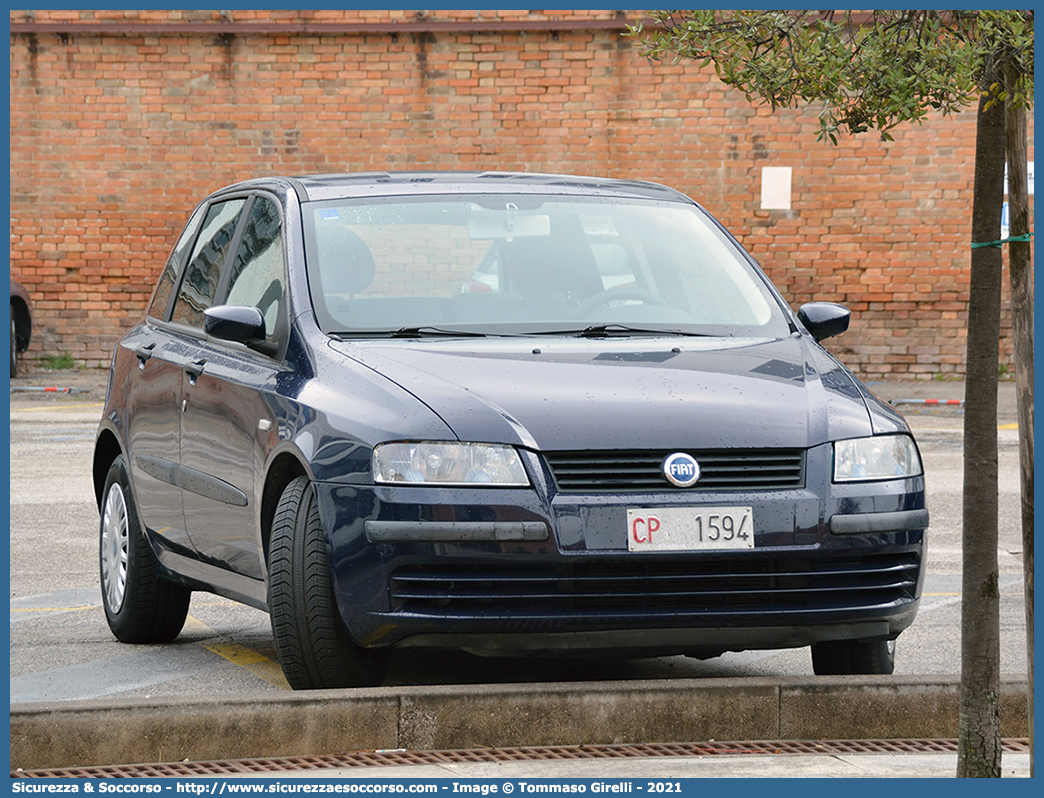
[[384, 184]]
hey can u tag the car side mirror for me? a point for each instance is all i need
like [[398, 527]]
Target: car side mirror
[[240, 323], [824, 319]]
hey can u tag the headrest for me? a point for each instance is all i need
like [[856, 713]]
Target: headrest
[[345, 262]]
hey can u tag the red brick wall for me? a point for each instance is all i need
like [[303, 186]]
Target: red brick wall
[[117, 133]]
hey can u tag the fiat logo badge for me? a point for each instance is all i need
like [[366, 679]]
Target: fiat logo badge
[[681, 469]]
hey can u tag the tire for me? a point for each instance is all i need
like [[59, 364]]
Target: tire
[[853, 657], [140, 606], [311, 641], [14, 345]]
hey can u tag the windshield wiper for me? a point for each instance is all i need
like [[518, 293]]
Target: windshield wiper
[[592, 331], [607, 330], [421, 331], [427, 330]]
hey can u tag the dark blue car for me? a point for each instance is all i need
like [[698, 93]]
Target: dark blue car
[[618, 439]]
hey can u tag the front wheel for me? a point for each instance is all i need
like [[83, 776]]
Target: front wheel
[[140, 606], [312, 643], [853, 657]]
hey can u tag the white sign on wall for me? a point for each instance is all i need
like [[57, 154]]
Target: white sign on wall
[[775, 188], [1029, 175], [1005, 220]]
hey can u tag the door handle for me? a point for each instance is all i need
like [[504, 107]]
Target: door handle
[[144, 351], [195, 368]]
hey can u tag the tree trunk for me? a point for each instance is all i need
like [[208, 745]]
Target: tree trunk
[[1021, 278], [979, 745]]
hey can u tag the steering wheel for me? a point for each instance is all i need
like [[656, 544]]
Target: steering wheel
[[620, 292]]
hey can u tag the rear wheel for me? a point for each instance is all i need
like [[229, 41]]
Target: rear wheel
[[140, 607], [855, 657], [313, 645]]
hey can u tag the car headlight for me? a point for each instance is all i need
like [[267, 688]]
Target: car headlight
[[880, 457], [448, 464]]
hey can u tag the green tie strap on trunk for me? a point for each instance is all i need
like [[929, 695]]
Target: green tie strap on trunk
[[1003, 241]]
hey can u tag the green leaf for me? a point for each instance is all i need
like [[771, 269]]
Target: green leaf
[[897, 68]]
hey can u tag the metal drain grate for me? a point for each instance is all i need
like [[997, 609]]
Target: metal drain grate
[[239, 767]]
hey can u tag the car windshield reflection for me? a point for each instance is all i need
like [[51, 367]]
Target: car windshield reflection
[[525, 264]]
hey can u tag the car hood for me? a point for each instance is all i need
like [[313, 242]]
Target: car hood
[[628, 393]]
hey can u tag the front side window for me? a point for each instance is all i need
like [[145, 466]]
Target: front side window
[[529, 264], [258, 269], [203, 274]]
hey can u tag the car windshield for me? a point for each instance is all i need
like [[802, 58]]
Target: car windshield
[[527, 265]]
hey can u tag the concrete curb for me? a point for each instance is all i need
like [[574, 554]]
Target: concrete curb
[[107, 732]]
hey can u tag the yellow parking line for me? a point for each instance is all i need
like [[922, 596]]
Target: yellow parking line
[[1008, 426], [246, 658], [258, 664]]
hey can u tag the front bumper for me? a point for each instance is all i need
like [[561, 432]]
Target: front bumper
[[513, 571]]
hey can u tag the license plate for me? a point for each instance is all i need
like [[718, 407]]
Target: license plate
[[690, 529]]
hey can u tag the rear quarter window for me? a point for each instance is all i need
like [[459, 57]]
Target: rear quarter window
[[169, 276]]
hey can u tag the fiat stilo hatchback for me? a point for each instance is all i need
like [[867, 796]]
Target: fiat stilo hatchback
[[502, 413]]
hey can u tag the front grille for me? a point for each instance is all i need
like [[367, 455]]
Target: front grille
[[632, 584], [642, 471]]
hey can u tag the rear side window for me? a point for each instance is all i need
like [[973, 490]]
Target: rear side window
[[169, 277], [203, 273], [258, 268]]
